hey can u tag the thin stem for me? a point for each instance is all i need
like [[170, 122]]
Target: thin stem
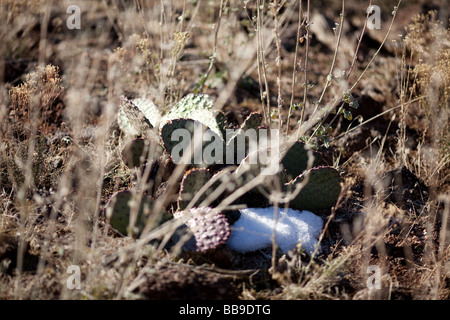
[[306, 82], [141, 15], [259, 59], [278, 61], [321, 114], [330, 74], [294, 71], [266, 93], [213, 57], [374, 117], [379, 48], [355, 55], [276, 211], [161, 55]]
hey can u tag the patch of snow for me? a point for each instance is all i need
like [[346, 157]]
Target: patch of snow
[[253, 230]]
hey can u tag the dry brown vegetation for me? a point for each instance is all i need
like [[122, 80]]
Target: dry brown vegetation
[[60, 142]]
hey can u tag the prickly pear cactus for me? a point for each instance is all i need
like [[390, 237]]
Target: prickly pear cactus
[[137, 151], [253, 121], [208, 228], [138, 117], [295, 161], [193, 106], [222, 124], [323, 185], [237, 138], [119, 208], [192, 182], [197, 107], [194, 113], [171, 140], [321, 191]]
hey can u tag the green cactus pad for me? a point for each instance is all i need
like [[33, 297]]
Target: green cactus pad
[[234, 137], [243, 174], [118, 212], [321, 191], [253, 121], [138, 117], [221, 120], [135, 152], [229, 182], [169, 127], [192, 182], [295, 161], [252, 165], [194, 113], [191, 125]]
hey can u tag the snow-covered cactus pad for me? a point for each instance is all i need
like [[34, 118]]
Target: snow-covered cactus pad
[[193, 112], [197, 107], [191, 105], [138, 117]]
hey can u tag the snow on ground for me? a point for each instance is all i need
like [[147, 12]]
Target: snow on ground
[[253, 230]]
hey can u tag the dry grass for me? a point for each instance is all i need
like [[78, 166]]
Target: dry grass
[[60, 143]]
